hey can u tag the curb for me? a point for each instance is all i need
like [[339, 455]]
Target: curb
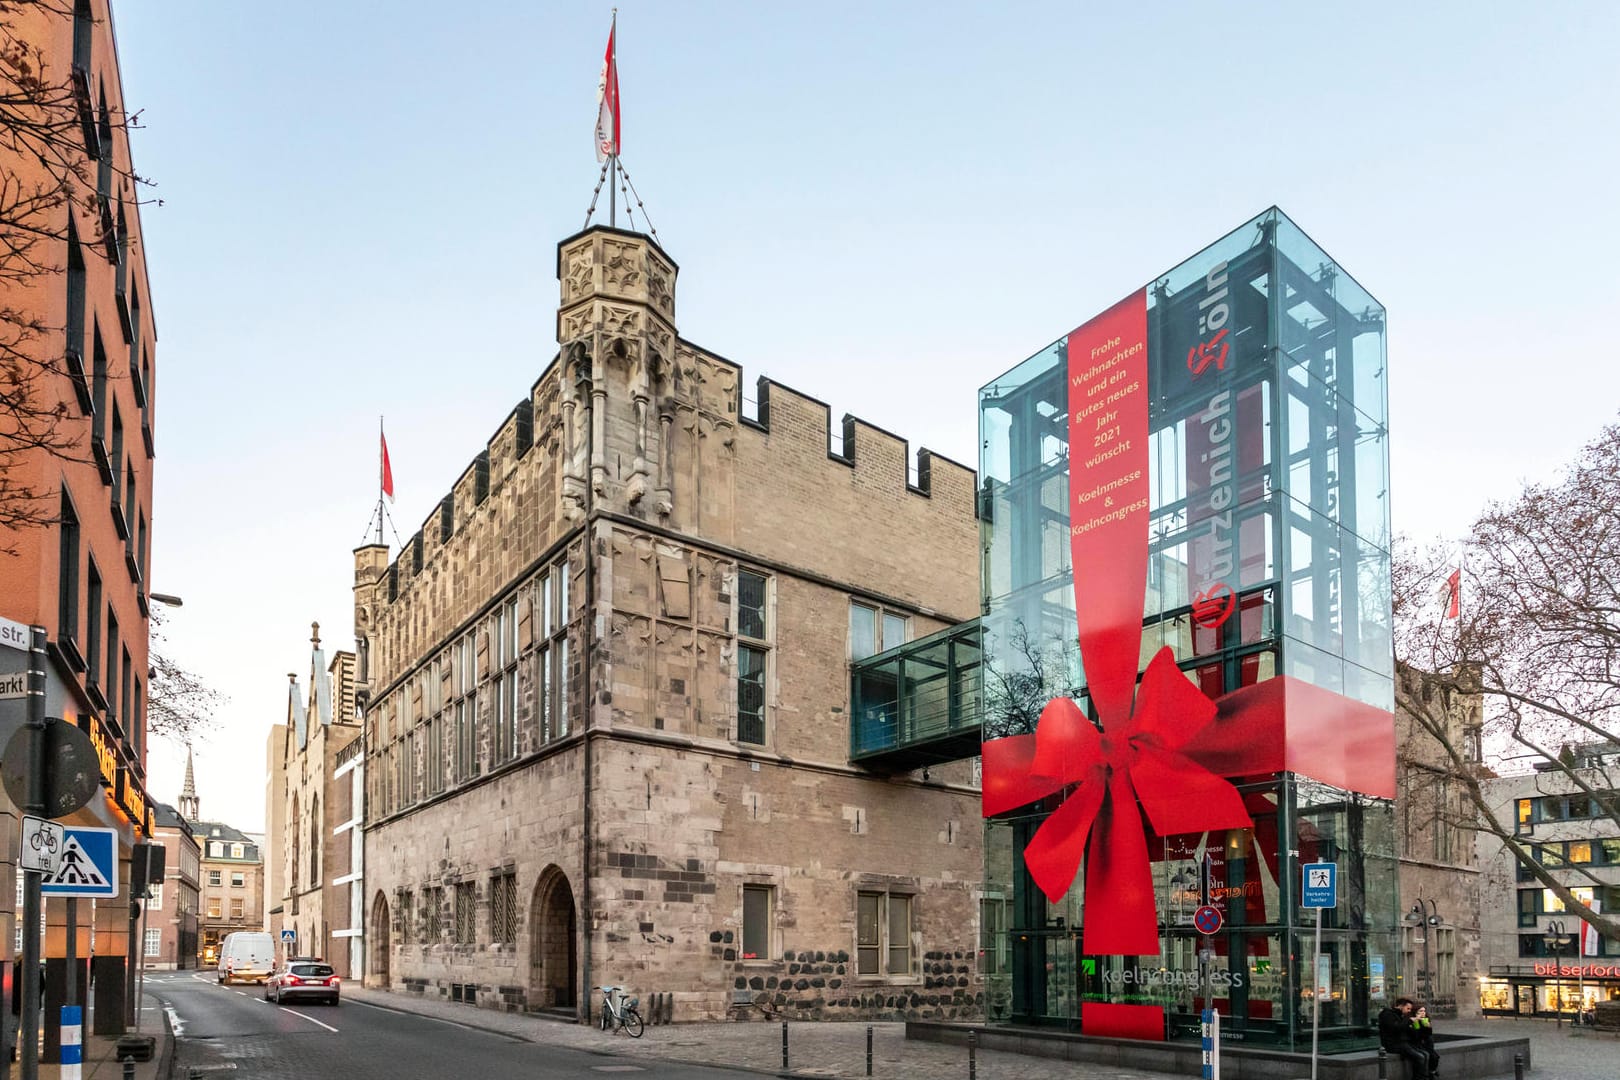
[[165, 1058]]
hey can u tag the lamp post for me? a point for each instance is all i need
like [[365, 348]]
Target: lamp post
[[1556, 939], [1425, 915]]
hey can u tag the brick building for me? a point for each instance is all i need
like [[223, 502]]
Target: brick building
[[171, 909], [77, 336], [607, 693], [232, 868], [313, 855]]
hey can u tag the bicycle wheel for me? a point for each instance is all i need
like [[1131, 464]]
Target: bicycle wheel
[[631, 1021], [607, 1018]]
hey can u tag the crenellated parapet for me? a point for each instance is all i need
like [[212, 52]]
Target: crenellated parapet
[[629, 419]]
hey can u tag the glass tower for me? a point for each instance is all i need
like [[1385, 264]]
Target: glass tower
[[1267, 539]]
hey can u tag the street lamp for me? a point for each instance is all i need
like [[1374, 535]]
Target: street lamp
[[1556, 939], [1425, 915]]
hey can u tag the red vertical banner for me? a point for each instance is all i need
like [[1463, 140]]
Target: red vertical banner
[[1108, 496]]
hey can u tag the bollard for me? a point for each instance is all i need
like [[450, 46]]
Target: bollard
[[784, 1046], [1518, 1067], [973, 1055], [868, 1049], [1383, 1064], [129, 1068]]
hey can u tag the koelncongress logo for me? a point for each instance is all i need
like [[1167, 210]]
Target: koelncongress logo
[[1187, 980]]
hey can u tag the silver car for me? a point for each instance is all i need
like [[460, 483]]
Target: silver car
[[302, 980]]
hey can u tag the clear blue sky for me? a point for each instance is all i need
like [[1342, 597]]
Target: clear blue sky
[[883, 205]]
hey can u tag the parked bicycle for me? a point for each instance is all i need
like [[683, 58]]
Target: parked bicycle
[[623, 1011]]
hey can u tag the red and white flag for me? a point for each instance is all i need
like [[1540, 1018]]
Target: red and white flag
[[1589, 933], [387, 471], [1448, 597], [607, 103]]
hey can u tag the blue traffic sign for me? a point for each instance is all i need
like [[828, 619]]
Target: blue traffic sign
[[86, 866], [1319, 885], [289, 935]]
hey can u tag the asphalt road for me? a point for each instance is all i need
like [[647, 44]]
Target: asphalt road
[[232, 1033]]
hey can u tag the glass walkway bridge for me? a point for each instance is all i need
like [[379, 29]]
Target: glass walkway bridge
[[918, 704]]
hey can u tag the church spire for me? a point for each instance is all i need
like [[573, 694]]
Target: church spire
[[188, 794]]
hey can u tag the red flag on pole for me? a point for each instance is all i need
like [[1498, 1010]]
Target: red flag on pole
[[607, 103], [387, 471]]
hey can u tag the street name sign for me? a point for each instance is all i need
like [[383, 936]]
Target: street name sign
[[14, 685], [14, 634]]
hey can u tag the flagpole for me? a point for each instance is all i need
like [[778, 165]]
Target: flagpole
[[613, 158], [380, 444]]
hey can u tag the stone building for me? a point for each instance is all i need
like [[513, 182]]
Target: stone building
[[78, 349], [607, 693], [171, 908], [1439, 875], [232, 868], [313, 855]]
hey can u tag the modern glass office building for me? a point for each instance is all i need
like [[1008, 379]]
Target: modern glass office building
[[1216, 443]]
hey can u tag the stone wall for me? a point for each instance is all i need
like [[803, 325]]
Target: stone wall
[[629, 474]]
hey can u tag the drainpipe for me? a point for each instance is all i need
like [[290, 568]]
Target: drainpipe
[[587, 639]]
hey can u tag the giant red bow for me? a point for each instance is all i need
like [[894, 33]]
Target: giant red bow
[[1134, 758], [1138, 753]]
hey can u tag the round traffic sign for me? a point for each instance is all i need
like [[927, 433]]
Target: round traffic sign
[[1207, 919]]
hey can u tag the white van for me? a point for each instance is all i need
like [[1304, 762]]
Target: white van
[[246, 955]]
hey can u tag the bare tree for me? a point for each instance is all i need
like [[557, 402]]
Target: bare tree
[[179, 705], [1019, 681], [1537, 641], [57, 164]]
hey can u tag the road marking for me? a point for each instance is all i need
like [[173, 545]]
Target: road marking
[[243, 993], [176, 1025], [311, 1019], [617, 1068]]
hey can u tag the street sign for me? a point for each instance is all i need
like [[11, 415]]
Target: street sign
[[42, 843], [1208, 919], [14, 634], [14, 685], [289, 935], [1319, 885], [72, 770], [88, 865]]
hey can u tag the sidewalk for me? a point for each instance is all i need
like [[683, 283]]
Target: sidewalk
[[100, 1058], [838, 1049], [825, 1048]]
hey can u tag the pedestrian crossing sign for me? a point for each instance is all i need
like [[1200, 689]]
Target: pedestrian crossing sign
[[87, 865]]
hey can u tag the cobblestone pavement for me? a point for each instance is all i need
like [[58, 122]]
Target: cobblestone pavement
[[834, 1049], [1559, 1052]]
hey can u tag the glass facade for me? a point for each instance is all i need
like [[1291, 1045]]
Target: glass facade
[[1267, 537]]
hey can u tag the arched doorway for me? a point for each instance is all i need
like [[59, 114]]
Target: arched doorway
[[379, 942], [553, 959]]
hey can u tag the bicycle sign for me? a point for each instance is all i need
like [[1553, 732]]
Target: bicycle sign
[[42, 844]]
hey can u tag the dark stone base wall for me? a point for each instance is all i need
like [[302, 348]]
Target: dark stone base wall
[[822, 985]]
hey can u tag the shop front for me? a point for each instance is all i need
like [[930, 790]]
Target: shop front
[[1204, 466], [1545, 988]]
